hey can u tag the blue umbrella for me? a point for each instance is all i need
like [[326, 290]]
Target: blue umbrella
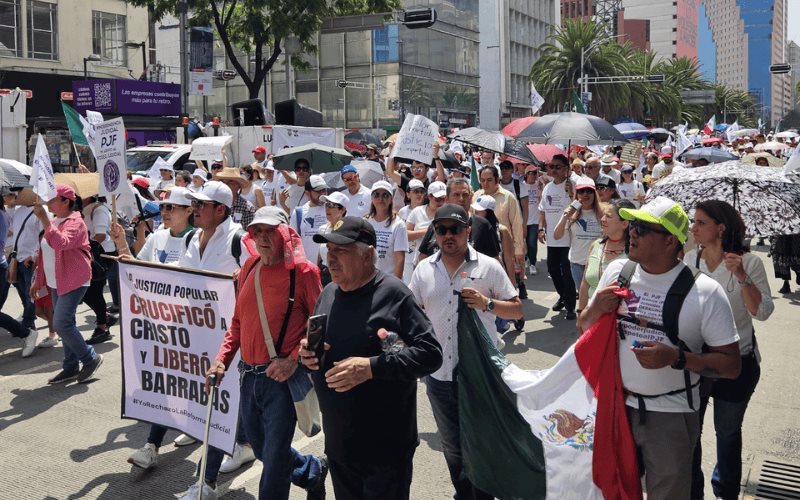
[[713, 155], [632, 131], [722, 127]]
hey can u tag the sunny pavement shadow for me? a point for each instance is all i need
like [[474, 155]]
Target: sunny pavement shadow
[[29, 403]]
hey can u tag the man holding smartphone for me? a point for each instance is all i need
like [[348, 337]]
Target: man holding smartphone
[[367, 394], [282, 272]]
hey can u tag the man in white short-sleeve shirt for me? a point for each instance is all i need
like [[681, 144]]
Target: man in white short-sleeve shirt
[[358, 195], [485, 287], [654, 370]]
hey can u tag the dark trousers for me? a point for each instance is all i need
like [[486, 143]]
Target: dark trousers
[[95, 300], [444, 403], [532, 238], [23, 285], [369, 481], [561, 274]]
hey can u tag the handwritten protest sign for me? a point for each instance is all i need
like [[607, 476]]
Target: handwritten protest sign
[[209, 148], [415, 139], [42, 178], [173, 322], [109, 151]]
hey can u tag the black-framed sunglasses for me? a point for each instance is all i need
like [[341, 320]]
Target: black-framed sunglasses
[[643, 230], [302, 169], [168, 207], [381, 194], [585, 191], [200, 204], [330, 204], [455, 230], [603, 188], [216, 166]]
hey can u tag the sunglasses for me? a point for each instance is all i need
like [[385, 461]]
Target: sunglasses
[[349, 178], [168, 207], [330, 204], [302, 169], [643, 230], [381, 194], [603, 188], [216, 167], [582, 192], [454, 230], [200, 204]]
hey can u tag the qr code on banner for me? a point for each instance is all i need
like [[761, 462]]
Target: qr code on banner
[[102, 95]]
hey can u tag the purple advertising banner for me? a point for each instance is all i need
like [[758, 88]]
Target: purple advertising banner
[[127, 97]]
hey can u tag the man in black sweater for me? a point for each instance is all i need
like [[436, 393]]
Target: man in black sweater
[[366, 389]]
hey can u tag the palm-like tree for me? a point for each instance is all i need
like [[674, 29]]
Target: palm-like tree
[[459, 98], [416, 94]]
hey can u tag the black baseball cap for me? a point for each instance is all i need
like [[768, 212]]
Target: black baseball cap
[[451, 211], [605, 180], [349, 230]]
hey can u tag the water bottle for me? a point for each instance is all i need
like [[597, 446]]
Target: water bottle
[[390, 341]]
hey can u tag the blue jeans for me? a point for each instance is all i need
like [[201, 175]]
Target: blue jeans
[[269, 419], [533, 242], [75, 348], [3, 283], [577, 273], [444, 403], [23, 284]]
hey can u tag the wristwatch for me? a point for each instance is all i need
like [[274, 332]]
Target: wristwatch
[[542, 230], [490, 305], [680, 363], [747, 280]]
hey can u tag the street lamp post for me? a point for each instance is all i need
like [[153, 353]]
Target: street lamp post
[[93, 58], [584, 52], [136, 45]]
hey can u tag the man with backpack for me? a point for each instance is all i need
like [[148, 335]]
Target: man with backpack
[[675, 326]]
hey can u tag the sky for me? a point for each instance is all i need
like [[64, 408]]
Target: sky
[[793, 32]]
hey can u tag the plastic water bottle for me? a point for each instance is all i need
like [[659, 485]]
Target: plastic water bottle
[[390, 341]]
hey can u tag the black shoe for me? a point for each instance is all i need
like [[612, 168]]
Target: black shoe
[[523, 292], [785, 288], [113, 309], [111, 320], [99, 336], [571, 315], [90, 368], [317, 492], [558, 306], [519, 324], [64, 376]]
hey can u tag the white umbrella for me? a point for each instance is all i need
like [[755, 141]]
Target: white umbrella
[[771, 146], [788, 134], [369, 172], [23, 169]]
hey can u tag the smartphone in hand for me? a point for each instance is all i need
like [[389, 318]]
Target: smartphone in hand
[[315, 335]]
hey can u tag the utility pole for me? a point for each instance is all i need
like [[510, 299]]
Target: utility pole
[[182, 7]]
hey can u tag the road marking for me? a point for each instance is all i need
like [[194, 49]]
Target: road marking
[[30, 370]]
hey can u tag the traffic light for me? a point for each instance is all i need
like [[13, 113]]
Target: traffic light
[[419, 18], [780, 69]]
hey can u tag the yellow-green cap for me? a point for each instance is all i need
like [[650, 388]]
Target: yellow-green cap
[[669, 214]]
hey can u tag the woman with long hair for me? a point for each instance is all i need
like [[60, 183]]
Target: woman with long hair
[[723, 255], [610, 247], [64, 270], [418, 220], [582, 220], [390, 230], [251, 191], [335, 210]]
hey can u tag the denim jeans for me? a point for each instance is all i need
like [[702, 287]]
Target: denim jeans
[[15, 328], [4, 285], [75, 348], [23, 285], [444, 403], [269, 418], [559, 269], [532, 239], [577, 270]]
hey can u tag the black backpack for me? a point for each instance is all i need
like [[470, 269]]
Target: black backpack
[[673, 303]]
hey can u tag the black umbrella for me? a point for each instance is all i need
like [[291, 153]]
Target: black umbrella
[[712, 155], [484, 139], [571, 128], [448, 159], [520, 151], [660, 134]]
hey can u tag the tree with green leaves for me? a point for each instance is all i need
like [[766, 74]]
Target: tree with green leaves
[[260, 27]]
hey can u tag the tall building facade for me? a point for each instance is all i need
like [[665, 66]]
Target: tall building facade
[[672, 25]]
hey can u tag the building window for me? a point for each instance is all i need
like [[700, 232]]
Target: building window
[[42, 30], [109, 34], [9, 28]]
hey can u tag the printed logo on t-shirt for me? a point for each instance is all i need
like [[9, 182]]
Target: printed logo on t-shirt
[[549, 199]]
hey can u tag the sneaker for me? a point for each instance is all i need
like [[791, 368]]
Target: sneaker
[[113, 309], [532, 270], [184, 440], [111, 320], [99, 336], [558, 306], [571, 315], [90, 368], [317, 492], [519, 324], [29, 343], [49, 342], [64, 376], [193, 493], [145, 457], [242, 454]]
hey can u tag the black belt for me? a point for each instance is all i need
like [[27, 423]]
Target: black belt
[[255, 369], [641, 397]]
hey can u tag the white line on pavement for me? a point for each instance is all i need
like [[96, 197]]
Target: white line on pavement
[[43, 368]]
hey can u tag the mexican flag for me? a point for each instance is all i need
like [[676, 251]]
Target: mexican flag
[[710, 125], [557, 433]]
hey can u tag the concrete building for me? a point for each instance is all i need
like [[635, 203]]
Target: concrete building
[[728, 33], [43, 45], [672, 25], [793, 58]]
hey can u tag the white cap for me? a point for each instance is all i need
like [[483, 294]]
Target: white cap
[[666, 150], [484, 202], [383, 185], [317, 183], [336, 197], [415, 184], [176, 196], [271, 215], [269, 165], [437, 189], [199, 173], [214, 191]]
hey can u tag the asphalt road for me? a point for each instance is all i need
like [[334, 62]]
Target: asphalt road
[[69, 442]]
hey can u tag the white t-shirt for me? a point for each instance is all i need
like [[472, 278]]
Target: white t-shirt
[[312, 219], [98, 221], [390, 239], [162, 247], [359, 203], [534, 198], [613, 173], [705, 317], [630, 190], [297, 196], [583, 232], [555, 200]]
